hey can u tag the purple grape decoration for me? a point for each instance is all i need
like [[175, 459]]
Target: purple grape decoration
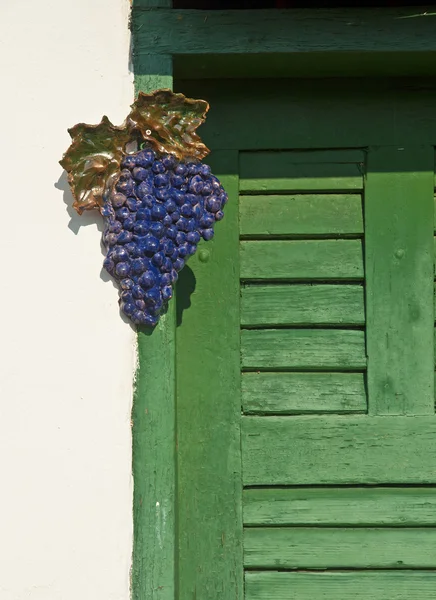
[[157, 202]]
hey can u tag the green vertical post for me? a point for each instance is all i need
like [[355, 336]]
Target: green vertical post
[[399, 262], [209, 408], [154, 414]]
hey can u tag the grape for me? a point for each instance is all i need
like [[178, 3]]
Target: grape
[[158, 167], [127, 284], [119, 254], [213, 204], [177, 181], [109, 265], [145, 158], [118, 200], [128, 162], [125, 187], [161, 180], [122, 269], [156, 214], [139, 265], [207, 234], [129, 224], [167, 292], [128, 308], [193, 237], [141, 227], [132, 203], [124, 237], [122, 213], [157, 229], [140, 174], [147, 280], [158, 259], [169, 161], [143, 189], [204, 170]]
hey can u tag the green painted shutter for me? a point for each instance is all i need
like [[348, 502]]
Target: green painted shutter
[[306, 450]]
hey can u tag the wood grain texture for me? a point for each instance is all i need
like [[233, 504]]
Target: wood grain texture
[[317, 113], [209, 409], [303, 393], [302, 259], [297, 304], [301, 215], [339, 548], [153, 72], [366, 585], [296, 31], [303, 349], [153, 573], [399, 257], [338, 450], [301, 171], [370, 506], [154, 464]]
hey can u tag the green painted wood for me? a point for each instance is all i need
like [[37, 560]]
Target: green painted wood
[[295, 171], [302, 259], [339, 548], [366, 585], [153, 575], [284, 31], [370, 506], [303, 349], [303, 393], [209, 409], [399, 258], [301, 215], [317, 113], [154, 465], [155, 72], [296, 304], [321, 65], [274, 163], [318, 450], [141, 4]]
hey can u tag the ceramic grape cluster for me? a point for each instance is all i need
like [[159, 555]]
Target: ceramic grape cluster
[[157, 198]]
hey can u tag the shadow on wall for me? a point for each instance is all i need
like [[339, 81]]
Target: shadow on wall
[[89, 217], [185, 287]]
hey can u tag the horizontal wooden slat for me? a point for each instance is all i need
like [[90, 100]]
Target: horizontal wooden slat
[[338, 450], [296, 304], [371, 506], [335, 547], [302, 259], [366, 585], [299, 32], [304, 214], [301, 171], [303, 349], [299, 393]]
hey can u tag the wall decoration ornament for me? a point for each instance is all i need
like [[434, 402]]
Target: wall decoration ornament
[[157, 198]]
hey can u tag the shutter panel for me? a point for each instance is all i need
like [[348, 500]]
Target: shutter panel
[[302, 275], [336, 264]]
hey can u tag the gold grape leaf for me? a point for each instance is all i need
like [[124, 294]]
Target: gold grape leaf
[[92, 160], [168, 122]]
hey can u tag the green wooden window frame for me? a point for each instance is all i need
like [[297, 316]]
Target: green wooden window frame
[[199, 44]]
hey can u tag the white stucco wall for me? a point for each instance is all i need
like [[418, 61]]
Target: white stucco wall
[[67, 358]]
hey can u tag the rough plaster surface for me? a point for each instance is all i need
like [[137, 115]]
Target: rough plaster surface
[[67, 358]]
